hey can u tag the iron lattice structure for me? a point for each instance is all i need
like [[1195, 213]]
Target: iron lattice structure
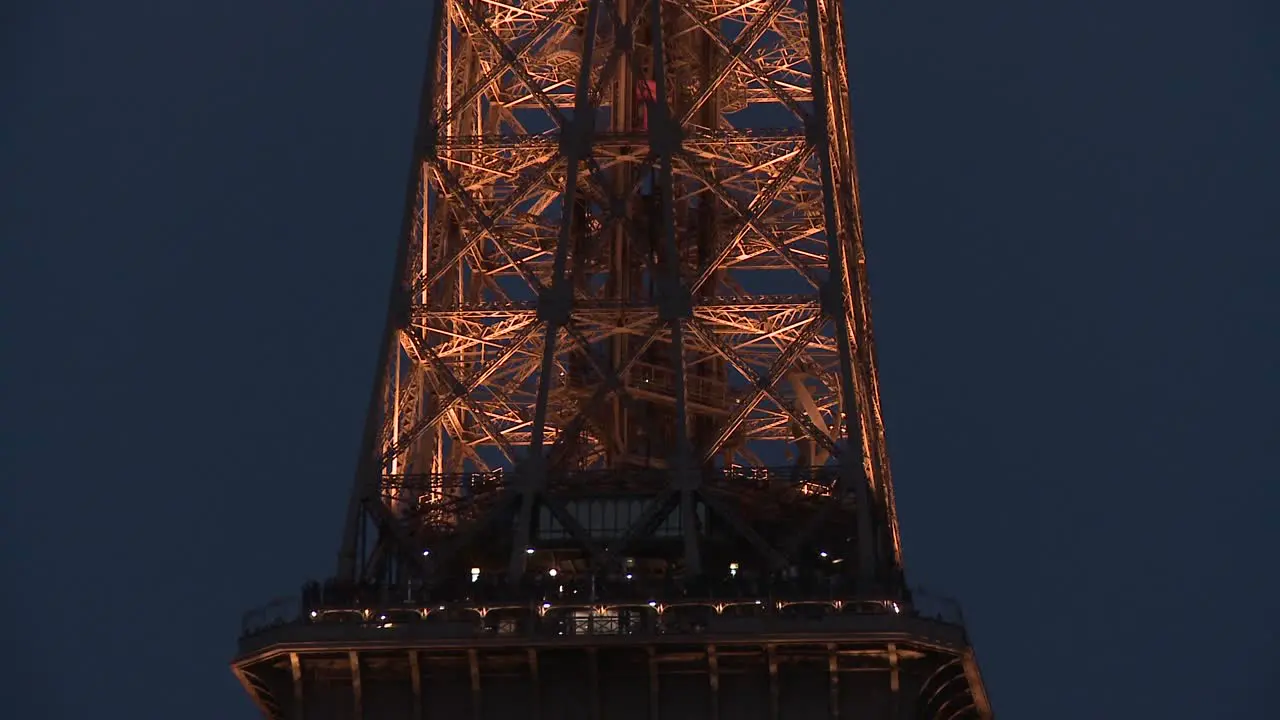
[[633, 244], [628, 361]]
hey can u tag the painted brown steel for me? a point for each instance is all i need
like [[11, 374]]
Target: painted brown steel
[[628, 347]]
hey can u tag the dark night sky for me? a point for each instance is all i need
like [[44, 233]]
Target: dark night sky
[[1074, 263]]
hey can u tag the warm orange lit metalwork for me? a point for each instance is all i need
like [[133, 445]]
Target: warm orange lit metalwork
[[628, 376]]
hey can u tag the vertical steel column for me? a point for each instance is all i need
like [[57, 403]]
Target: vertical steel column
[[833, 679], [835, 301], [674, 302], [557, 302], [415, 679], [713, 678], [295, 669], [357, 687]]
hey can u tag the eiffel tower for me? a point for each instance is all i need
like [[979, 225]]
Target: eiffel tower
[[624, 455]]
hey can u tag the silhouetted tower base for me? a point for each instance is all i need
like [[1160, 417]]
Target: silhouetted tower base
[[624, 455]]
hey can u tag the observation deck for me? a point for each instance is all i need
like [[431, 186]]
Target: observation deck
[[732, 650]]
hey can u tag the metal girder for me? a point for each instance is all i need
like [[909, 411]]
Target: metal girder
[[415, 682], [833, 680], [614, 178], [295, 671], [357, 686], [900, 672], [627, 375]]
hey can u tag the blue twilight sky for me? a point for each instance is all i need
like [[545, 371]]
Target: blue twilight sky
[[1070, 211]]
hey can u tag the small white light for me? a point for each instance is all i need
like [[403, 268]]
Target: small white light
[[628, 576], [528, 551], [822, 554], [546, 605], [653, 603], [475, 574], [314, 613], [382, 617], [758, 602], [896, 608], [733, 569], [552, 572], [426, 553], [441, 607]]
